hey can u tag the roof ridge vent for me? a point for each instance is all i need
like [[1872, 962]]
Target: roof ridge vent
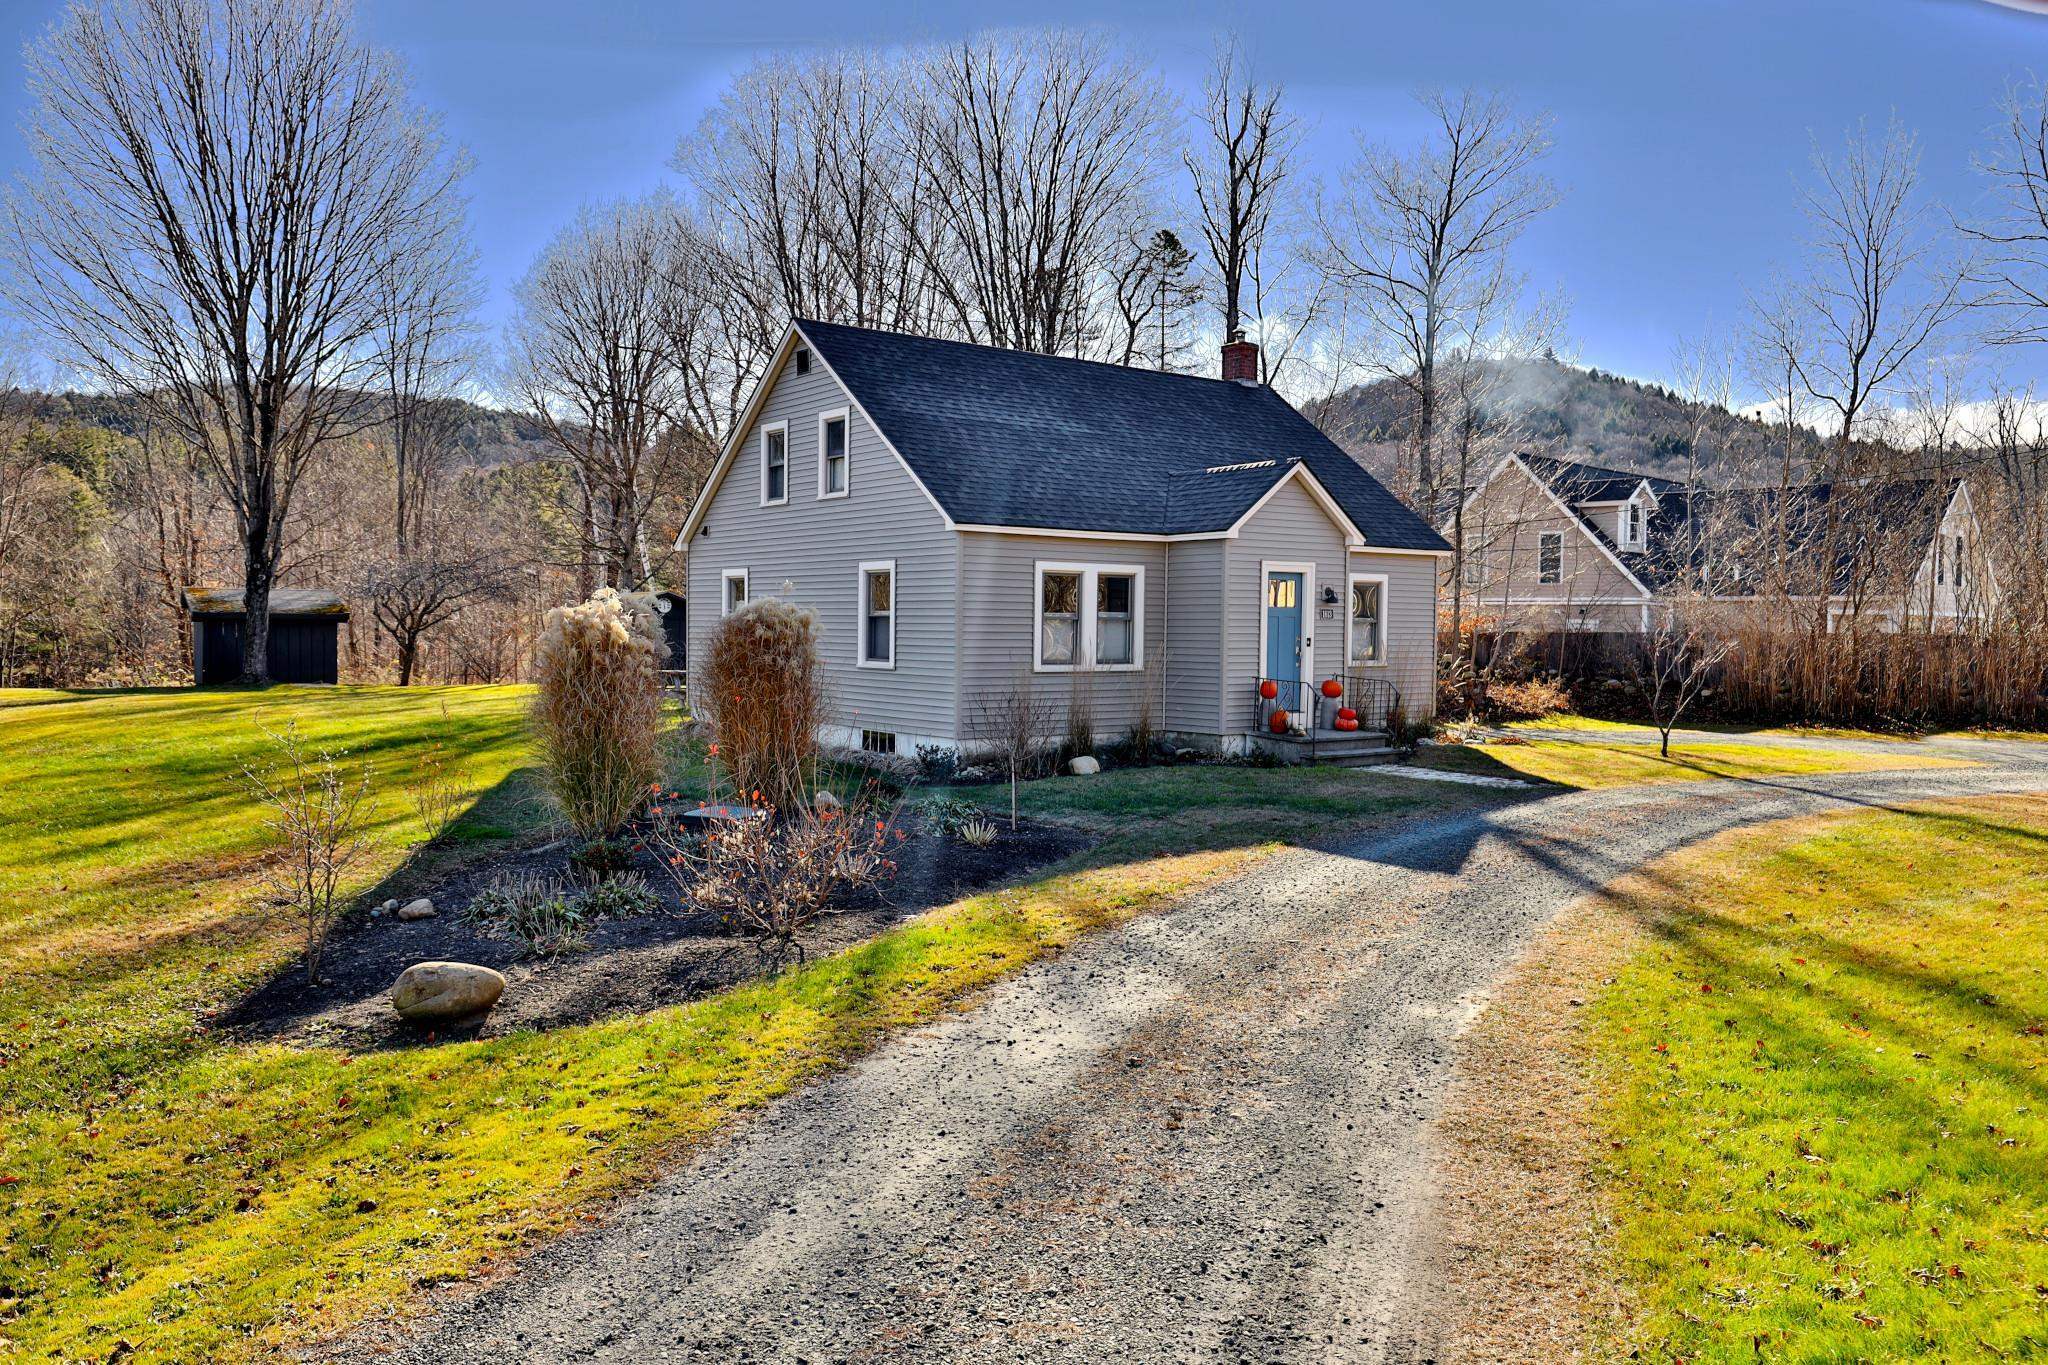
[[1234, 468]]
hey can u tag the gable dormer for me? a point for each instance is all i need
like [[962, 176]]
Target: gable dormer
[[1632, 519]]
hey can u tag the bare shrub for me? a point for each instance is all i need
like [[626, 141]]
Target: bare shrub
[[761, 689], [1080, 713], [316, 815], [438, 795], [774, 877], [1527, 698], [597, 711]]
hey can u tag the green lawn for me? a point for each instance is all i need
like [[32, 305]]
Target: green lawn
[[1200, 806], [1595, 725], [1821, 1092], [205, 1201], [1592, 763]]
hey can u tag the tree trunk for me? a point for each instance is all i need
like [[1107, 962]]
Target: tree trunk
[[257, 572]]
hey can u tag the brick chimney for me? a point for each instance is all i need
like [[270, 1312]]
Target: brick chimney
[[1241, 359]]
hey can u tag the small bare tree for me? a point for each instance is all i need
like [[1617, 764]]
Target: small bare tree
[[1015, 724], [1676, 659], [315, 812]]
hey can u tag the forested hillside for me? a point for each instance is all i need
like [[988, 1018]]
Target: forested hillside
[[1545, 404]]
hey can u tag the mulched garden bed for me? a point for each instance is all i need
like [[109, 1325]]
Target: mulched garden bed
[[628, 966]]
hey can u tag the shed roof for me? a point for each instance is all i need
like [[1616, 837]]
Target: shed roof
[[283, 602]]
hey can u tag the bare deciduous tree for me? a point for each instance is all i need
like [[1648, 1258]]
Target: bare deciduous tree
[[593, 355], [223, 190], [1241, 168], [1877, 285], [1419, 243], [1036, 156]]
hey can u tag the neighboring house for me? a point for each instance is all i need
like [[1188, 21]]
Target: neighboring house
[[966, 521], [1557, 544]]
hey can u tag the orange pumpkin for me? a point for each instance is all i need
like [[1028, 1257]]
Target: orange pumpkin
[[1346, 713], [1332, 688], [1277, 722], [1269, 689], [1343, 724]]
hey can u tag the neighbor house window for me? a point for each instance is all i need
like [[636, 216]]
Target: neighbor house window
[[1550, 557], [1368, 631], [832, 472], [775, 463], [735, 590], [1632, 527], [1090, 616], [878, 615]]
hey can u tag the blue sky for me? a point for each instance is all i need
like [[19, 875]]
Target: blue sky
[[1681, 124]]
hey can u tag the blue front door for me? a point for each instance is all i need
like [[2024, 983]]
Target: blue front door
[[1283, 626]]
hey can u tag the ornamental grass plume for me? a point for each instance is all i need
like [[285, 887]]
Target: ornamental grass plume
[[762, 691], [597, 711]]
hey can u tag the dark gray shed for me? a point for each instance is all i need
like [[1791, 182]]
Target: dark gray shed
[[303, 634]]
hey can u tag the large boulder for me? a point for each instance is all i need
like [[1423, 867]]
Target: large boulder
[[445, 992], [416, 910]]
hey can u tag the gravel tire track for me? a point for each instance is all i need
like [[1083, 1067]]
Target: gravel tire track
[[1200, 1136]]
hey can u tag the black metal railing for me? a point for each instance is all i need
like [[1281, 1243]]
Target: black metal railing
[[1373, 699], [1313, 715]]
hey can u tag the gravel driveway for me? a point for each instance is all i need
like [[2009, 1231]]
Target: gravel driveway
[[1197, 1137]]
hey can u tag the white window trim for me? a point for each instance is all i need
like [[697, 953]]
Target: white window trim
[[1269, 567], [1379, 659], [1084, 626], [766, 431], [1541, 581], [725, 595], [860, 614], [1628, 539], [839, 415]]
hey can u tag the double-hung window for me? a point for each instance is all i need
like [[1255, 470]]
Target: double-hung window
[[1550, 557], [775, 464], [833, 464], [1090, 616], [1632, 527], [1368, 628], [878, 614]]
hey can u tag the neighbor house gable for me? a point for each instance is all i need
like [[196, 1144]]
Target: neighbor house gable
[[1572, 516]]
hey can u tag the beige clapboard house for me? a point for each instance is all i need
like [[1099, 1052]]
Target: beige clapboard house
[[967, 521], [1554, 544]]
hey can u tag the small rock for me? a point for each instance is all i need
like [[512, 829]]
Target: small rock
[[1083, 766], [419, 909], [388, 906], [825, 801], [445, 992]]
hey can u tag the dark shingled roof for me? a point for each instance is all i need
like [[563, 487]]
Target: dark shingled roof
[[1908, 510], [283, 602], [1013, 438]]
